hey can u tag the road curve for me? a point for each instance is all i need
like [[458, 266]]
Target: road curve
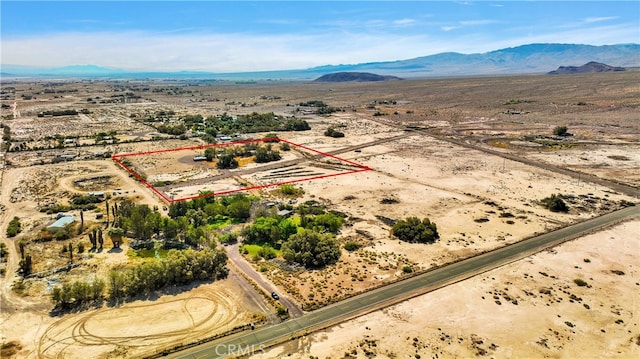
[[260, 339], [239, 262]]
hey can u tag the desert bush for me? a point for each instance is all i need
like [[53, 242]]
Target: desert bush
[[555, 203], [291, 190], [352, 246], [14, 227], [414, 230], [580, 282], [331, 132], [560, 131]]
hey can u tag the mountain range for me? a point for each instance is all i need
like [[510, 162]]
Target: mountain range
[[525, 59]]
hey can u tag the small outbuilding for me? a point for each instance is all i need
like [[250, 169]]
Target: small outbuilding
[[61, 223], [285, 213]]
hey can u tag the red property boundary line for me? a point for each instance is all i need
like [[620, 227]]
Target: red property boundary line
[[164, 197]]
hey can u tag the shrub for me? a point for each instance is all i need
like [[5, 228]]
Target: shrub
[[14, 227], [331, 132], [352, 246], [555, 203], [227, 161], [407, 269], [291, 190], [560, 131], [580, 282], [414, 230]]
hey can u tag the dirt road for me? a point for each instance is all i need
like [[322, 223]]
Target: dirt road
[[268, 287]]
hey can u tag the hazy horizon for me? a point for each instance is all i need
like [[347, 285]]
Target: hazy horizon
[[268, 35]]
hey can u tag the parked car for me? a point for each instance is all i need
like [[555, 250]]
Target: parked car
[[275, 295]]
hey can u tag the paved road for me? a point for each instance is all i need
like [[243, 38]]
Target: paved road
[[268, 287], [254, 341]]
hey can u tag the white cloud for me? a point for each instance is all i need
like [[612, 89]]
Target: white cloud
[[404, 22], [208, 52], [599, 19], [186, 50], [477, 22], [449, 28]]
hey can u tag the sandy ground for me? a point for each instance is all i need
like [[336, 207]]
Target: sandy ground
[[530, 308], [106, 332], [478, 201], [142, 327]]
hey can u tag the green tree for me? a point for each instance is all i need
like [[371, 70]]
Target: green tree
[[414, 230], [227, 161], [240, 208], [332, 132], [264, 155], [325, 222], [116, 234], [287, 228], [311, 249], [210, 153], [14, 227], [263, 230]]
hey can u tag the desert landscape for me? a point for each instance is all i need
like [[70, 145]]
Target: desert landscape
[[485, 159]]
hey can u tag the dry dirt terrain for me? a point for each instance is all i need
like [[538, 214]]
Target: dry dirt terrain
[[529, 309], [446, 149]]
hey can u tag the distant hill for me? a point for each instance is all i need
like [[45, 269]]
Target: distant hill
[[532, 58], [589, 67], [354, 76]]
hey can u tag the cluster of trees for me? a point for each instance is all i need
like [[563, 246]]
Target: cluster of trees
[[227, 161], [311, 249], [311, 243], [177, 268], [227, 157], [187, 222], [414, 230], [14, 227], [77, 293], [321, 107], [175, 130], [58, 113], [332, 132], [555, 203], [272, 230], [81, 202], [267, 154], [85, 202], [226, 124], [251, 123]]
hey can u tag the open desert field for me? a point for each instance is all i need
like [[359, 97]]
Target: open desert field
[[476, 156], [529, 309]]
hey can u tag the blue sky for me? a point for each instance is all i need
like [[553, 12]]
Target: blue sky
[[269, 35]]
